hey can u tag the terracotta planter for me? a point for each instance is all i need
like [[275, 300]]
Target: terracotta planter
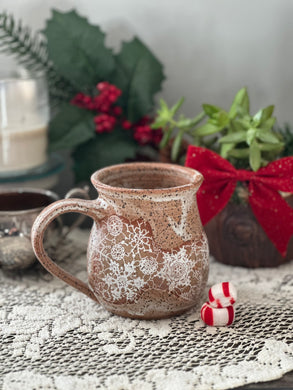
[[236, 238]]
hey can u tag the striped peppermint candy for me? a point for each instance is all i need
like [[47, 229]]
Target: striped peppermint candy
[[217, 317], [222, 295]]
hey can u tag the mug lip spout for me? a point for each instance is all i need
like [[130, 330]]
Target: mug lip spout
[[27, 190], [195, 178]]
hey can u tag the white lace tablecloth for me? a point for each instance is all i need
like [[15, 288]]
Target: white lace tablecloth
[[55, 338]]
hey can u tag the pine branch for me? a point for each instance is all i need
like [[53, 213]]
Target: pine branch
[[31, 52]]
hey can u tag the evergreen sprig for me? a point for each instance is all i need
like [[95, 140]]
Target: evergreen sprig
[[30, 50]]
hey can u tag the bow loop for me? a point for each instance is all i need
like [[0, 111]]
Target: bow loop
[[220, 179]]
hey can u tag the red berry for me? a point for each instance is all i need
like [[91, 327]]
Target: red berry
[[102, 85], [117, 110], [126, 125], [143, 134], [103, 104], [145, 120], [105, 108], [82, 100], [157, 136], [77, 98], [87, 99], [104, 123]]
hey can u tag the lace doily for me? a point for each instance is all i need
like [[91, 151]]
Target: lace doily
[[53, 337]]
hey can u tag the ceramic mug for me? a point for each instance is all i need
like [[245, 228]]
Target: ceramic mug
[[19, 207], [147, 252]]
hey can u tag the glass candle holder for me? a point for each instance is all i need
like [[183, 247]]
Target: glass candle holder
[[24, 116]]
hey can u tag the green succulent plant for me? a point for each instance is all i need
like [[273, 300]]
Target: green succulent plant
[[247, 141], [166, 119]]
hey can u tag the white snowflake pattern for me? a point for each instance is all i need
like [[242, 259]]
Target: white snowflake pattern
[[117, 252], [129, 268], [122, 282], [139, 239], [177, 268], [148, 265], [201, 249], [114, 225], [128, 260], [114, 267]]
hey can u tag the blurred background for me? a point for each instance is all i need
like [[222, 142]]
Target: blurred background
[[209, 49]]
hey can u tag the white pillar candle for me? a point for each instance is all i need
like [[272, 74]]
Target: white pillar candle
[[24, 115]]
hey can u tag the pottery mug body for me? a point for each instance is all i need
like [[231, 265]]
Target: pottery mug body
[[147, 252]]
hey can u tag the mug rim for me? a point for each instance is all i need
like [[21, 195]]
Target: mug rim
[[195, 176], [20, 190]]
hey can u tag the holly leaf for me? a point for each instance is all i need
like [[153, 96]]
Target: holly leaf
[[106, 149], [139, 74], [77, 50], [70, 127]]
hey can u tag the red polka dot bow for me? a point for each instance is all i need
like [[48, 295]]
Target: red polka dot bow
[[270, 209]]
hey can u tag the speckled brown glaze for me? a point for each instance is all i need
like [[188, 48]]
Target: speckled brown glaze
[[147, 253]]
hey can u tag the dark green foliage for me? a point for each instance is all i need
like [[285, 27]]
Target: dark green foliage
[[139, 74], [106, 149], [77, 50], [70, 127]]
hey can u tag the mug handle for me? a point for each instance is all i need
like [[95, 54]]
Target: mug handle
[[63, 232], [82, 193], [96, 209]]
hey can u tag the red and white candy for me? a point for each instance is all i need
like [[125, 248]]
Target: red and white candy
[[222, 295], [217, 317], [219, 311]]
